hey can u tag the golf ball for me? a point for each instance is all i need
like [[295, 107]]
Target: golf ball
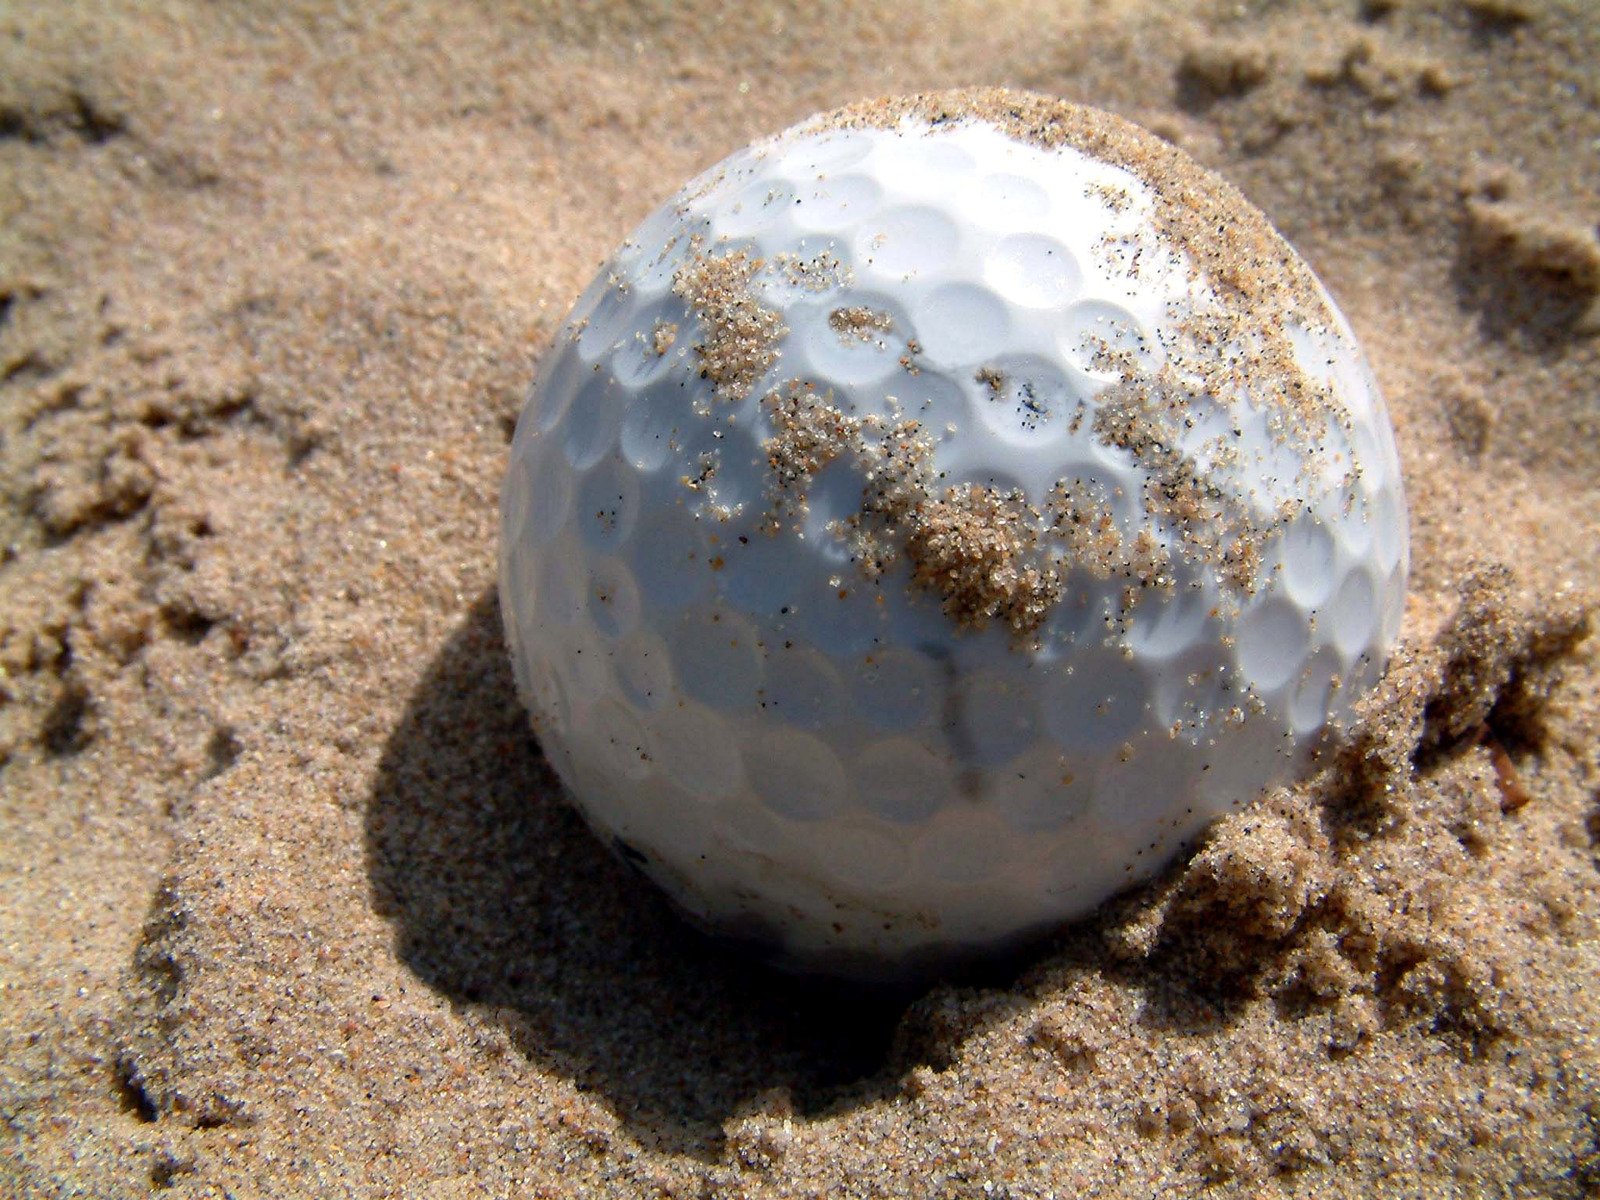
[[932, 517]]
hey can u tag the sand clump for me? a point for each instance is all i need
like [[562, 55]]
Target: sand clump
[[742, 334], [291, 903]]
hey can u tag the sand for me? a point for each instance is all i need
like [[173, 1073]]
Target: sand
[[290, 904]]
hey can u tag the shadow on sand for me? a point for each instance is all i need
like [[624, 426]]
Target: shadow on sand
[[501, 897]]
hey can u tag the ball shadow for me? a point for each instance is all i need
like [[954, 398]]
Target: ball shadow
[[503, 900]]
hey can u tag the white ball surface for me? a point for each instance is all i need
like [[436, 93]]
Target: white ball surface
[[932, 517]]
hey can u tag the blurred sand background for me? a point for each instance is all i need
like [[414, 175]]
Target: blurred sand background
[[289, 903]]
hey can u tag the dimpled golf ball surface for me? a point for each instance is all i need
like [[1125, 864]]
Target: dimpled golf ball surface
[[935, 515]]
